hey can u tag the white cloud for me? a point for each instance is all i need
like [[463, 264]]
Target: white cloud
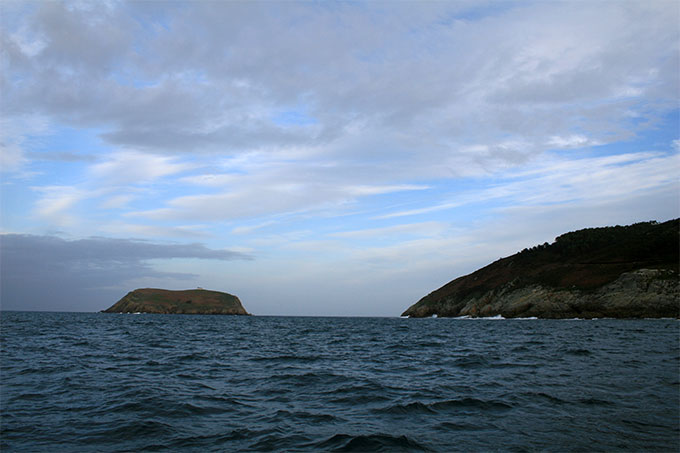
[[271, 194], [438, 207], [248, 202], [419, 229], [110, 183], [135, 168], [117, 201], [571, 141], [11, 157], [559, 180], [210, 180], [529, 72], [56, 202], [554, 180], [121, 229], [14, 132], [247, 229], [377, 190]]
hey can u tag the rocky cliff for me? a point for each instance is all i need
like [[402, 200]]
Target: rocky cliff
[[613, 272], [192, 301]]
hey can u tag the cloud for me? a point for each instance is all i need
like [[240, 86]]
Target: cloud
[[56, 202], [378, 190], [51, 273], [251, 201], [210, 179], [437, 74], [438, 207], [571, 141], [64, 156], [135, 168], [556, 179], [109, 184], [117, 201], [419, 229], [11, 157], [418, 92], [250, 228], [108, 249], [14, 134], [261, 195], [118, 228]]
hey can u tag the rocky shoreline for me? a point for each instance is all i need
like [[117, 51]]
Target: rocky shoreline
[[645, 293]]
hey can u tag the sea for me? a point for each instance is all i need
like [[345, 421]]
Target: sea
[[73, 382]]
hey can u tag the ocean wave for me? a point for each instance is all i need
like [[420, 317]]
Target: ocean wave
[[307, 417], [287, 358], [277, 440], [461, 404], [579, 351], [208, 441], [408, 408], [129, 430], [472, 361], [454, 426], [370, 442]]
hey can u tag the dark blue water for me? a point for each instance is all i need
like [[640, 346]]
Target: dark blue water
[[109, 382]]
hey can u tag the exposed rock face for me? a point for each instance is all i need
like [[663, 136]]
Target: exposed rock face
[[192, 301], [616, 272], [645, 293]]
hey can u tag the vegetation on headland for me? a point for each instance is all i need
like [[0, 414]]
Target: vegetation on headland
[[621, 271], [191, 301]]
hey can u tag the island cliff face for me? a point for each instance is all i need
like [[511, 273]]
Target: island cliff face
[[611, 272], [191, 301]]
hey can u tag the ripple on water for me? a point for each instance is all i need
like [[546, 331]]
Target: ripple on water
[[370, 442]]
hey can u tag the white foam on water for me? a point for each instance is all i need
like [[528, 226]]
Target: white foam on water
[[479, 317]]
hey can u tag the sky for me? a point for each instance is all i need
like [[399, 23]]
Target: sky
[[321, 158]]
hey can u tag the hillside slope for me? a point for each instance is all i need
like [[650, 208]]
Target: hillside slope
[[621, 272], [191, 301]]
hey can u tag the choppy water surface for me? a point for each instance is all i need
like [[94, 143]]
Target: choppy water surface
[[108, 382]]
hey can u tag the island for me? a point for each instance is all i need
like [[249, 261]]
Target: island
[[190, 301], [611, 272]]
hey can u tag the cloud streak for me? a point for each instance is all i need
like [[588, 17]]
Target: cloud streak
[[558, 180]]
